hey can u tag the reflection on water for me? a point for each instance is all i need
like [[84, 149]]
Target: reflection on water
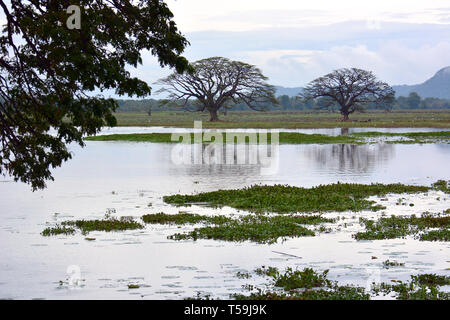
[[344, 158]]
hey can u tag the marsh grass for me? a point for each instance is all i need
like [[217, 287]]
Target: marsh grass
[[260, 229], [400, 227], [288, 199]]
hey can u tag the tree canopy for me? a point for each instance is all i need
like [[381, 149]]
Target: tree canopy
[[48, 70], [352, 89], [219, 83]]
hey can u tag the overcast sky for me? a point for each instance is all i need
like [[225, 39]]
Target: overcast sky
[[293, 42]]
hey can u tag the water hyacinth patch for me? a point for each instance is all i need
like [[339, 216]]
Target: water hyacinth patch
[[85, 226], [183, 218], [400, 227], [289, 199], [260, 229]]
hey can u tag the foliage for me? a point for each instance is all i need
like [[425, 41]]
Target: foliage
[[47, 71]]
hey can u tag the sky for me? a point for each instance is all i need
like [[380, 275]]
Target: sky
[[293, 42]]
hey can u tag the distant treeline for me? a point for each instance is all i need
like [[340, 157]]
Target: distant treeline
[[413, 101]]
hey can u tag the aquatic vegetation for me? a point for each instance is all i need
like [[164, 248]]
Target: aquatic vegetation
[[57, 230], [290, 199], [436, 235], [305, 284], [441, 185], [133, 286], [260, 229], [389, 263], [421, 287], [110, 224], [243, 275], [183, 218], [308, 284], [400, 227], [85, 226], [307, 279]]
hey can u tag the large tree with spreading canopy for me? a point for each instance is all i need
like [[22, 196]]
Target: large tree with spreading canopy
[[351, 89], [219, 83], [50, 67]]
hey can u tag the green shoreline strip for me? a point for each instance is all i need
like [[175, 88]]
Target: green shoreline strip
[[287, 137], [240, 137]]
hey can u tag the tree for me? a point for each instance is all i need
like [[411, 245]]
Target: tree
[[48, 67], [414, 100], [352, 89], [217, 82], [285, 102]]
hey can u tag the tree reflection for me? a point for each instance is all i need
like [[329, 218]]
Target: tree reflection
[[347, 158]]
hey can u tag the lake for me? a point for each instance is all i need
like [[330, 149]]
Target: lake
[[122, 178]]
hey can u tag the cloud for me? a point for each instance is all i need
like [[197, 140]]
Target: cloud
[[394, 62]]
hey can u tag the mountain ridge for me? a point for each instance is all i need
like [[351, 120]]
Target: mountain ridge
[[437, 86]]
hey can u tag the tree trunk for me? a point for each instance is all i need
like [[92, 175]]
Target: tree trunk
[[345, 113], [214, 116]]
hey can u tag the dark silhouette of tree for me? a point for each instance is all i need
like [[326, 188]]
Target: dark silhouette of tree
[[352, 89], [217, 82], [46, 69]]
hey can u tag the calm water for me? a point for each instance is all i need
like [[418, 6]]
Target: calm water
[[123, 178]]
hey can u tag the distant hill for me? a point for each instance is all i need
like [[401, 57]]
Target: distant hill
[[436, 87], [291, 92]]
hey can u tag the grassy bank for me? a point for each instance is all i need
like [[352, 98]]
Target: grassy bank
[[292, 119]]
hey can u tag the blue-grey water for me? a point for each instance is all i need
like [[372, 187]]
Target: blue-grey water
[[129, 179]]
